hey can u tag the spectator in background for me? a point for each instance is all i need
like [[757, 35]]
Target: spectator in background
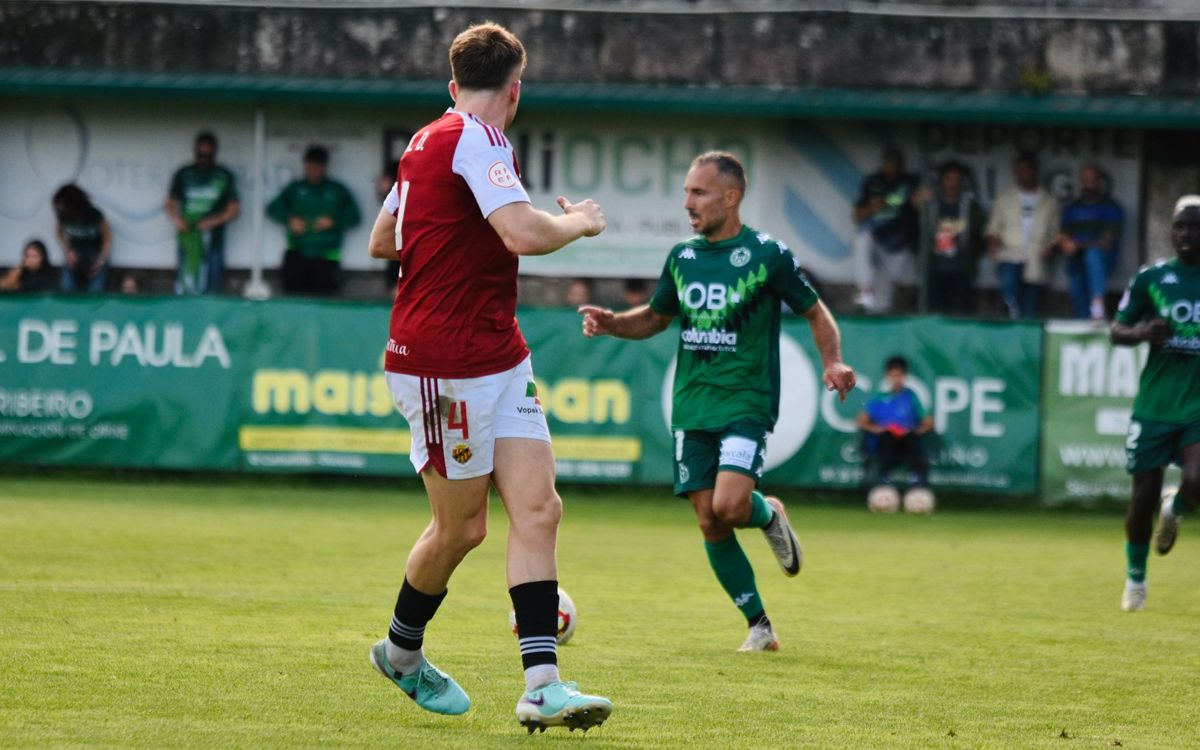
[[635, 292], [579, 292], [85, 238], [316, 211], [887, 225], [202, 200], [34, 274], [952, 224], [131, 283], [1021, 233], [1091, 232], [894, 425]]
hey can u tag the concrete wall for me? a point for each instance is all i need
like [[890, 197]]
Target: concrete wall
[[954, 48]]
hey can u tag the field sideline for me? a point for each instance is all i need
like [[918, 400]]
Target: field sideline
[[237, 615]]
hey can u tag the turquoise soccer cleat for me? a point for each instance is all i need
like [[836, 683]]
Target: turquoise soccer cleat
[[431, 688], [560, 704]]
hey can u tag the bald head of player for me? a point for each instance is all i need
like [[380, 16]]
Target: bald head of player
[[487, 61], [714, 188], [1185, 229]]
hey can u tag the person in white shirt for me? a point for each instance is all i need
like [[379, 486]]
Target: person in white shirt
[[1021, 234]]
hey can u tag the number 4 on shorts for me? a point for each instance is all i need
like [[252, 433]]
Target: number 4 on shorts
[[458, 418]]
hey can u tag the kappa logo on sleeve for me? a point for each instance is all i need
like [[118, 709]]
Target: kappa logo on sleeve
[[501, 176]]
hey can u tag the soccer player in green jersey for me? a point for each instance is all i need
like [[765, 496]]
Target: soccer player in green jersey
[[725, 285], [1162, 308]]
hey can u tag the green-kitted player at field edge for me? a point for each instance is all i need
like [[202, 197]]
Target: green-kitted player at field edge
[[1162, 308], [725, 286]]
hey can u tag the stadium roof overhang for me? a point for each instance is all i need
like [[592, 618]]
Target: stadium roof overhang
[[954, 106]]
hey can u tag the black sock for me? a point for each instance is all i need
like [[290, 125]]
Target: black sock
[[413, 610], [536, 605], [759, 619]]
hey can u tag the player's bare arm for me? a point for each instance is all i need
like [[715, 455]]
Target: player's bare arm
[[382, 244], [526, 230], [1155, 331], [641, 322], [838, 375]]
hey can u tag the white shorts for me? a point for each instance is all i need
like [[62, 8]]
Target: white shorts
[[455, 423]]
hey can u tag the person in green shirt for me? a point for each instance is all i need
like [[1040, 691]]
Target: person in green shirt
[[202, 200], [726, 286], [316, 212], [1161, 307]]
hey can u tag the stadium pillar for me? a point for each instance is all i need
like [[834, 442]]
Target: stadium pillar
[[257, 289]]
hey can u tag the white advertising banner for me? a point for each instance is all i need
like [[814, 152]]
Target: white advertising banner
[[804, 176]]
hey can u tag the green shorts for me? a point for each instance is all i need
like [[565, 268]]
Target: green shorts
[[1153, 445], [700, 454]]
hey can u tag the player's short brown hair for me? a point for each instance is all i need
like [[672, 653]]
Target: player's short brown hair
[[727, 164], [484, 56]]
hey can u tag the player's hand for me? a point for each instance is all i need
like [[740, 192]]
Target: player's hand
[[180, 225], [839, 377], [322, 223], [596, 320], [72, 259], [589, 210], [296, 225], [1156, 331]]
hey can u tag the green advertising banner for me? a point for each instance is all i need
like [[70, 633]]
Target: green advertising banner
[[1087, 397], [297, 385]]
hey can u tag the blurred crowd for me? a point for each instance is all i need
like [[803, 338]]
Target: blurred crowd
[[934, 234]]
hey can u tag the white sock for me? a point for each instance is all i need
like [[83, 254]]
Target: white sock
[[542, 674], [1097, 310], [403, 660]]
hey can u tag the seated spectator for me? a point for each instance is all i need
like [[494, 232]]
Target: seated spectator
[[85, 239], [579, 292], [1021, 234], [202, 200], [1091, 232], [131, 283], [893, 425], [952, 243], [316, 211], [886, 218], [635, 292], [34, 274]]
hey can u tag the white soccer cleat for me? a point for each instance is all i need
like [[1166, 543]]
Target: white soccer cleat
[[1134, 598], [783, 540], [1168, 523], [760, 638]]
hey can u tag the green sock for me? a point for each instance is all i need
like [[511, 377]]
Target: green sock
[[761, 511], [736, 576], [1136, 554]]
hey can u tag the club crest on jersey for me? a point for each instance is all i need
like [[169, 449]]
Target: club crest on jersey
[[461, 453], [500, 175], [739, 257]]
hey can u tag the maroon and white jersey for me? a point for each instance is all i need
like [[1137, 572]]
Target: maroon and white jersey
[[456, 298]]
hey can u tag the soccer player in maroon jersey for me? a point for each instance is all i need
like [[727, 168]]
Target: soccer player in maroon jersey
[[460, 372]]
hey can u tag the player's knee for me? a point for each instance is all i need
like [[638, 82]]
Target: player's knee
[[730, 511], [542, 515], [711, 527], [461, 537]]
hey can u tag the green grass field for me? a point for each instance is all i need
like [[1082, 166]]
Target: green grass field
[[235, 615]]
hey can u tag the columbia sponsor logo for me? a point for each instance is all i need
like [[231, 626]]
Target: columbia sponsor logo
[[394, 348], [713, 338], [687, 254]]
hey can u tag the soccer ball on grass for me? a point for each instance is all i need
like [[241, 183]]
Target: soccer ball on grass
[[567, 618], [883, 499], [919, 500]]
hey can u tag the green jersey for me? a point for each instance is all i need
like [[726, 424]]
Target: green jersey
[[1169, 390], [202, 193], [727, 298], [310, 202]]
